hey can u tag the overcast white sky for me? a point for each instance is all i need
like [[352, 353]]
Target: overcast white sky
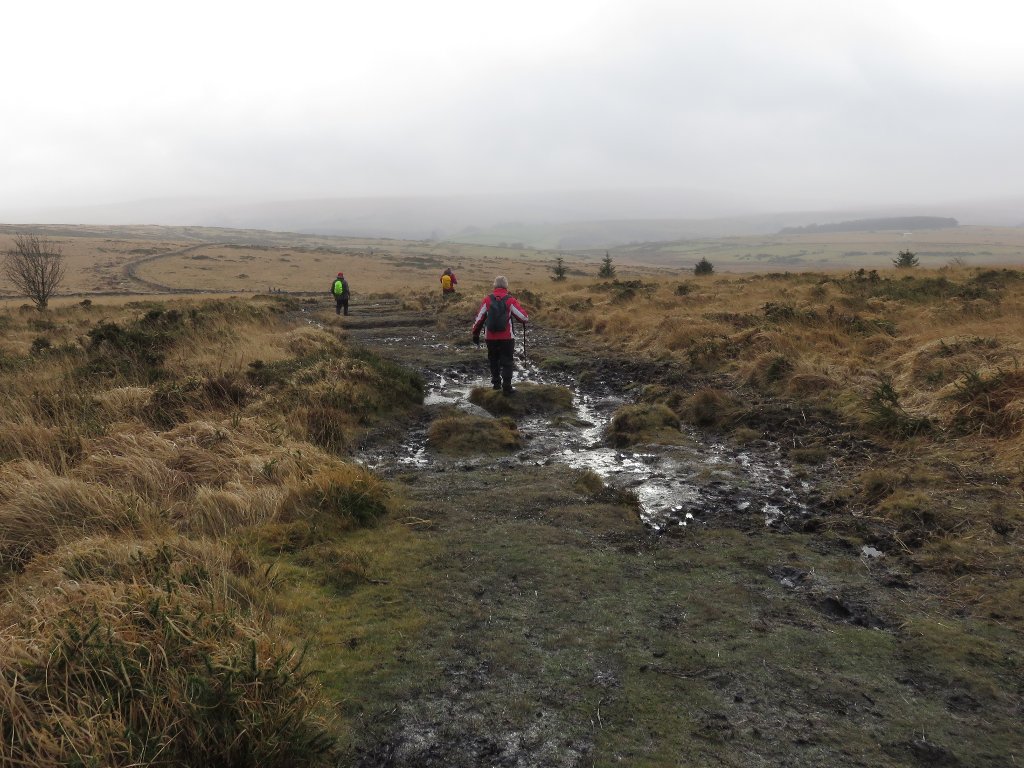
[[780, 104]]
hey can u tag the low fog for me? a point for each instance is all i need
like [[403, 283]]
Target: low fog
[[454, 114]]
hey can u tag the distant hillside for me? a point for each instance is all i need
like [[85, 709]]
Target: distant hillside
[[908, 223]]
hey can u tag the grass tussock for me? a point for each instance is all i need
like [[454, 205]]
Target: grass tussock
[[463, 434], [33, 441], [344, 495], [163, 667], [124, 403], [710, 408], [528, 399], [644, 423], [42, 514]]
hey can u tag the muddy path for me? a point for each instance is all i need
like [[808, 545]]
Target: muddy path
[[703, 480], [696, 612]]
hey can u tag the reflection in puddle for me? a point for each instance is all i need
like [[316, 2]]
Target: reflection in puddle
[[675, 485]]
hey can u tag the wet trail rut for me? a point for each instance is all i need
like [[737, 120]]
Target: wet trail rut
[[700, 481]]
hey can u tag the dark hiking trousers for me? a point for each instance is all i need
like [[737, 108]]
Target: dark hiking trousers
[[341, 303], [500, 356]]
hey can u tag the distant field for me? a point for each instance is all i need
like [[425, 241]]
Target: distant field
[[134, 260], [116, 261], [969, 246]]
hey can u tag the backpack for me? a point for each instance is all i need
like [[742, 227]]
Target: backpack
[[339, 287], [497, 313], [446, 282]]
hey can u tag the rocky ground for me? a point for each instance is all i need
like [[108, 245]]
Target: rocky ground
[[696, 607]]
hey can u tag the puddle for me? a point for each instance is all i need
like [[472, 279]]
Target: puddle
[[676, 486]]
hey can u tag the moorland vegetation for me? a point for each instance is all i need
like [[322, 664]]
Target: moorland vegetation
[[153, 459], [179, 500], [926, 366]]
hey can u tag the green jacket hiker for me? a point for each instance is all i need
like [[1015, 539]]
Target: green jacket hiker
[[340, 291]]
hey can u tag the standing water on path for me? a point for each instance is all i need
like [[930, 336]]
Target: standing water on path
[[696, 482]]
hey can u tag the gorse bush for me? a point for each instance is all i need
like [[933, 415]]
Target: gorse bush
[[134, 352], [992, 401], [920, 288], [887, 415]]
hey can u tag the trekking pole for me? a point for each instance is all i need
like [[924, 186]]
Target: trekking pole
[[524, 339]]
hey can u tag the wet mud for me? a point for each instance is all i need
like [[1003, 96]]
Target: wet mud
[[701, 481]]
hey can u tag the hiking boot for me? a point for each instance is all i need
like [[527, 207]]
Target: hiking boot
[[495, 386], [508, 391]]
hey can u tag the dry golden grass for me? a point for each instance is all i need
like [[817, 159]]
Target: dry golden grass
[[130, 483], [158, 652], [121, 474], [43, 514], [824, 337]]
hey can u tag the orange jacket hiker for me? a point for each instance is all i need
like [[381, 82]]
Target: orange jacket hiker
[[448, 281]]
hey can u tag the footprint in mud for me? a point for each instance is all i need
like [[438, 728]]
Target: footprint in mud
[[849, 612]]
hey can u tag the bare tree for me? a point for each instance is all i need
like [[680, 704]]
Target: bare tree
[[36, 267]]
